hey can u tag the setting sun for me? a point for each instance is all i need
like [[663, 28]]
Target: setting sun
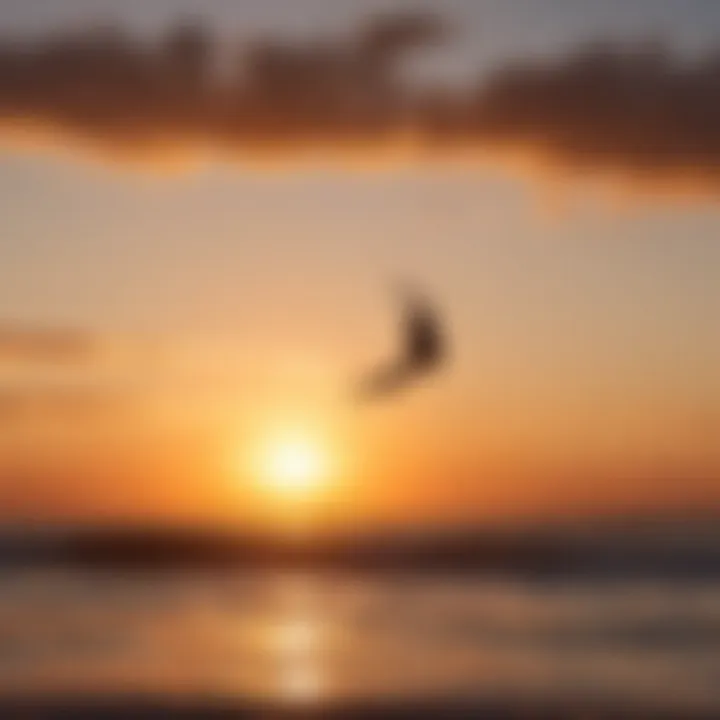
[[296, 466]]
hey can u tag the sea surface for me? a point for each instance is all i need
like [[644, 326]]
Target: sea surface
[[291, 637]]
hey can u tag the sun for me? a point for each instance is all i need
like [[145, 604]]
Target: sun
[[294, 466]]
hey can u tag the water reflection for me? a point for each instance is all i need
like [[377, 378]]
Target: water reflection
[[296, 643], [301, 683], [317, 639]]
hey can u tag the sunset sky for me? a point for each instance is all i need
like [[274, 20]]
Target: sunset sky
[[180, 302]]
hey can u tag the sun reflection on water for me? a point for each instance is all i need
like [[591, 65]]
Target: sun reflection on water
[[296, 644], [301, 683]]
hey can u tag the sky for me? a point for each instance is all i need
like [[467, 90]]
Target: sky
[[173, 302]]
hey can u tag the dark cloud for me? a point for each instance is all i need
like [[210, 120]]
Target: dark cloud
[[26, 345], [107, 87], [636, 110]]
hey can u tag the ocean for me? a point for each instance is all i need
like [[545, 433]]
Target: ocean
[[301, 638]]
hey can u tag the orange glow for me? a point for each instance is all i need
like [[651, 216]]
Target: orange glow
[[295, 466], [292, 471]]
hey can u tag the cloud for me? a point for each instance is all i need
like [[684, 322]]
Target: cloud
[[64, 377], [633, 109], [638, 111], [28, 345], [111, 89], [59, 404], [57, 375]]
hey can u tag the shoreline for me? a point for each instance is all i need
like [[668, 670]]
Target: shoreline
[[158, 708]]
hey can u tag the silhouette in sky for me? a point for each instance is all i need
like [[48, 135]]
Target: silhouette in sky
[[423, 351]]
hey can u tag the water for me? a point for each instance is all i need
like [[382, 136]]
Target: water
[[303, 637]]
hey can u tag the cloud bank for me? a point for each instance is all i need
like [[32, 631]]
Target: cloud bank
[[639, 111]]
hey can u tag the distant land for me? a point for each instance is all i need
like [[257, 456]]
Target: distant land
[[618, 548]]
